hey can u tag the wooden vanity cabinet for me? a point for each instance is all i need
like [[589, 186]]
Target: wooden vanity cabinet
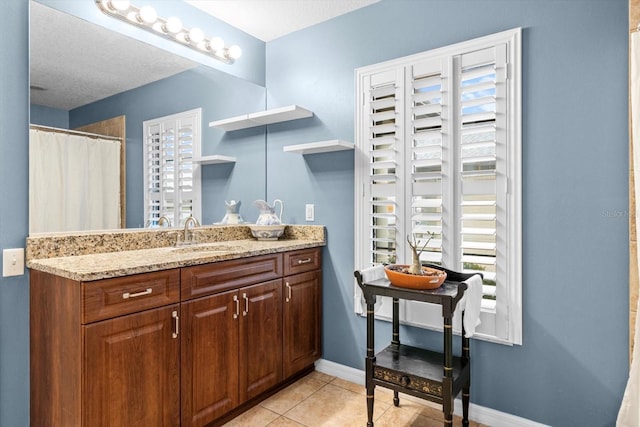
[[106, 352], [231, 340], [176, 347], [302, 309]]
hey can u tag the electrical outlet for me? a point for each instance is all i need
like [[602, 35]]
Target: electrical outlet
[[12, 262], [309, 212]]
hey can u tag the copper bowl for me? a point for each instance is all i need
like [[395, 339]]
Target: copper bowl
[[432, 278]]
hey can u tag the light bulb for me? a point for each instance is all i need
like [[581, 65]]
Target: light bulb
[[173, 25], [216, 44], [235, 52], [148, 14], [196, 35], [120, 5]]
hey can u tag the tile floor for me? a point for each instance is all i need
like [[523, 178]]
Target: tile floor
[[320, 400]]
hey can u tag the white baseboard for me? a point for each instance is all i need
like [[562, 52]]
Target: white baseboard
[[486, 416]]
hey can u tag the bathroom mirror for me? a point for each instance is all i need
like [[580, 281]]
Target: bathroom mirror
[[219, 94]]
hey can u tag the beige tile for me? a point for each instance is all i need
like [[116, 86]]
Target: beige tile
[[320, 376], [334, 406], [286, 399], [254, 417], [284, 422], [381, 394]]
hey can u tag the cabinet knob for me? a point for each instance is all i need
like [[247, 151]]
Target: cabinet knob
[[405, 381]]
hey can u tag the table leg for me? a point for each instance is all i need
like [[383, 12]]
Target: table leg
[[447, 382], [369, 363], [467, 385], [395, 340]]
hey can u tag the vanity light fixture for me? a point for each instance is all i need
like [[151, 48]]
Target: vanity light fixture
[[171, 28]]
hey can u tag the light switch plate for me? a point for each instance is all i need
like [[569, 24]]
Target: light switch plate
[[309, 212], [12, 262]]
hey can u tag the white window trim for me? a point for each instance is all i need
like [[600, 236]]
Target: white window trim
[[513, 292], [196, 114]]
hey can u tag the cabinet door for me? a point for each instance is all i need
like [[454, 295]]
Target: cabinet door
[[302, 311], [131, 374], [260, 338], [209, 363]]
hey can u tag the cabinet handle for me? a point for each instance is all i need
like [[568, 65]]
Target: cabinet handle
[[304, 261], [237, 313], [288, 298], [128, 295], [176, 324], [246, 304]]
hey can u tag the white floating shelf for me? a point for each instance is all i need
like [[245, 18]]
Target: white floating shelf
[[319, 147], [215, 159], [276, 115]]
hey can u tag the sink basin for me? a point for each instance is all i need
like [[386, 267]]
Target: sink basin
[[205, 247]]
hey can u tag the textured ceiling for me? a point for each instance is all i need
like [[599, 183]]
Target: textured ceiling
[[74, 62]]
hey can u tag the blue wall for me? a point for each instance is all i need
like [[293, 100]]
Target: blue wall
[[14, 291], [572, 368], [47, 116], [220, 96]]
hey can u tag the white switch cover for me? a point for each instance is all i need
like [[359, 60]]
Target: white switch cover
[[13, 262], [309, 212]]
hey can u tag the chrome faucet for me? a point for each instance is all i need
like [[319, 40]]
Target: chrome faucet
[[164, 220], [188, 237]]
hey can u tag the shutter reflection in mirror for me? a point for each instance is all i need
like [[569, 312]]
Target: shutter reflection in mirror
[[172, 177]]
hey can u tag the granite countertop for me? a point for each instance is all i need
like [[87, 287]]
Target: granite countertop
[[87, 265]]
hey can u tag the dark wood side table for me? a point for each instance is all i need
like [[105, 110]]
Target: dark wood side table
[[434, 376]]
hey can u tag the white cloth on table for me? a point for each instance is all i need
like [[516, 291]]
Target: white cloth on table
[[368, 274], [471, 303]]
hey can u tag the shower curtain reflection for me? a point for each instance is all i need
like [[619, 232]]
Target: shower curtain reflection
[[74, 181]]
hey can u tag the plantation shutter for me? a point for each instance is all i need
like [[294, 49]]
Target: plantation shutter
[[385, 136], [482, 168], [428, 144], [438, 158], [171, 174], [153, 176]]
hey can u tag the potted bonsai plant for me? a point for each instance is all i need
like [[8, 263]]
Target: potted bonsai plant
[[415, 275]]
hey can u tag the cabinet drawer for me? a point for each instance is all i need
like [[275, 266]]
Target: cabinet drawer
[[302, 260], [108, 298], [217, 277]]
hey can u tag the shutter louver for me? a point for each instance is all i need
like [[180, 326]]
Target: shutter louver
[[426, 158]]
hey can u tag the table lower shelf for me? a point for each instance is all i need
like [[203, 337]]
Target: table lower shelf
[[418, 372]]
